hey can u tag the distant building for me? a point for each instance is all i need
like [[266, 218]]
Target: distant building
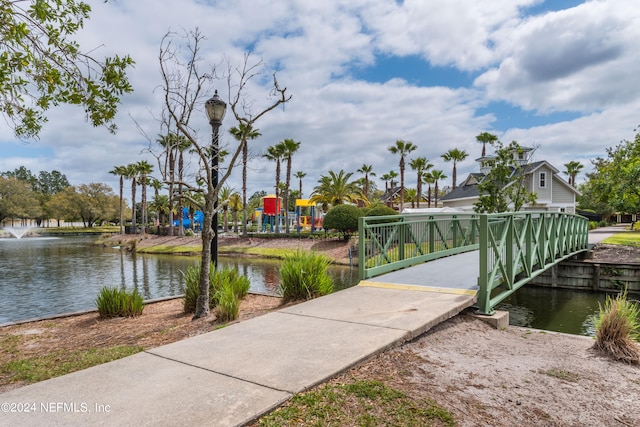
[[553, 193]]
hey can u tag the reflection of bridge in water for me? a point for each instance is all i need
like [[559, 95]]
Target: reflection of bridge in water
[[489, 256]]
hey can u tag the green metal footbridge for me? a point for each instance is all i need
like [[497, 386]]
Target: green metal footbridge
[[487, 255]]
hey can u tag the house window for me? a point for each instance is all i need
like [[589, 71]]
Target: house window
[[542, 180]]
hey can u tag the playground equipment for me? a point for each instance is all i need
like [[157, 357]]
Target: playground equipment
[[307, 222], [271, 212], [198, 219]]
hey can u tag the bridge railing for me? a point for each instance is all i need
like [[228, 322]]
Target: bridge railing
[[515, 247], [388, 243]]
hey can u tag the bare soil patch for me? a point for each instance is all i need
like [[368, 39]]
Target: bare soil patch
[[616, 254], [511, 377]]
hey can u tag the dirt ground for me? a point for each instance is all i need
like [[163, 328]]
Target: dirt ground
[[484, 376]]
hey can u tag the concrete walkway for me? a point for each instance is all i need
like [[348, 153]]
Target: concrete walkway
[[233, 375]]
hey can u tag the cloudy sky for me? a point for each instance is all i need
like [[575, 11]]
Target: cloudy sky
[[559, 75]]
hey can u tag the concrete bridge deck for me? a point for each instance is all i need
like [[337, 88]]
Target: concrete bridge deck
[[456, 274]]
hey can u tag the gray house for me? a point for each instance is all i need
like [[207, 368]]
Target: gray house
[[553, 193]]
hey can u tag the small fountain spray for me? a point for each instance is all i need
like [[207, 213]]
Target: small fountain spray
[[17, 232]]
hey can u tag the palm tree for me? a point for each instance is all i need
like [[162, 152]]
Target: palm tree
[[235, 204], [392, 175], [132, 174], [168, 143], [289, 147], [300, 175], [412, 194], [367, 170], [274, 153], [385, 177], [420, 165], [244, 133], [182, 144], [572, 170], [427, 178], [402, 148], [455, 155], [223, 200], [335, 189], [484, 138], [160, 205], [144, 169], [121, 171], [437, 175]]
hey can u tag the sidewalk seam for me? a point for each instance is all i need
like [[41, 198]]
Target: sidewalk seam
[[218, 373], [346, 321]]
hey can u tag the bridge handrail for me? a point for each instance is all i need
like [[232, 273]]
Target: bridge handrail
[[517, 246], [391, 242]]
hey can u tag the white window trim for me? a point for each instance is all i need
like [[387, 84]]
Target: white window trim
[[540, 179]]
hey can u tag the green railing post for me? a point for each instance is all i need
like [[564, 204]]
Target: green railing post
[[528, 244], [484, 291], [402, 229], [361, 248], [508, 245], [432, 235]]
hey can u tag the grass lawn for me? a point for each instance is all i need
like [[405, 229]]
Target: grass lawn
[[627, 238]]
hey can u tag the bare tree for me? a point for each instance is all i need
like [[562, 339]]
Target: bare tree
[[185, 88]]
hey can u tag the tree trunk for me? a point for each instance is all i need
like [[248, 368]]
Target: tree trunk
[[245, 158], [202, 303]]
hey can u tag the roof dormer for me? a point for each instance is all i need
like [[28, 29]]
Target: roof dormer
[[486, 163]]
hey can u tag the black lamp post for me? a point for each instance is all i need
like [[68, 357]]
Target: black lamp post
[[215, 111]]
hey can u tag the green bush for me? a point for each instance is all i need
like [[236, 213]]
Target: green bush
[[344, 219], [618, 329], [304, 276], [231, 278], [382, 210], [228, 303], [192, 289], [114, 302], [226, 288]]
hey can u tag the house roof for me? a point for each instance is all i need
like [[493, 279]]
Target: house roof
[[469, 187], [462, 192]]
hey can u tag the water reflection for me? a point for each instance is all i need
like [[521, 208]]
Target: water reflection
[[49, 276], [560, 310]]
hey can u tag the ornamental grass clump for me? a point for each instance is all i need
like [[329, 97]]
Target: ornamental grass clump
[[228, 303], [226, 288], [304, 275], [114, 302], [618, 329], [192, 289]]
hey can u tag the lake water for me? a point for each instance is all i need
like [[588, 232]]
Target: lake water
[[560, 310], [45, 276]]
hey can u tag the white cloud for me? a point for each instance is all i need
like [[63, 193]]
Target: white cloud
[[582, 59]]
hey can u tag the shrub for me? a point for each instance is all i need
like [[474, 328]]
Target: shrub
[[382, 210], [618, 329], [304, 276], [114, 302], [226, 288], [192, 289], [343, 218], [228, 302], [231, 278]]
